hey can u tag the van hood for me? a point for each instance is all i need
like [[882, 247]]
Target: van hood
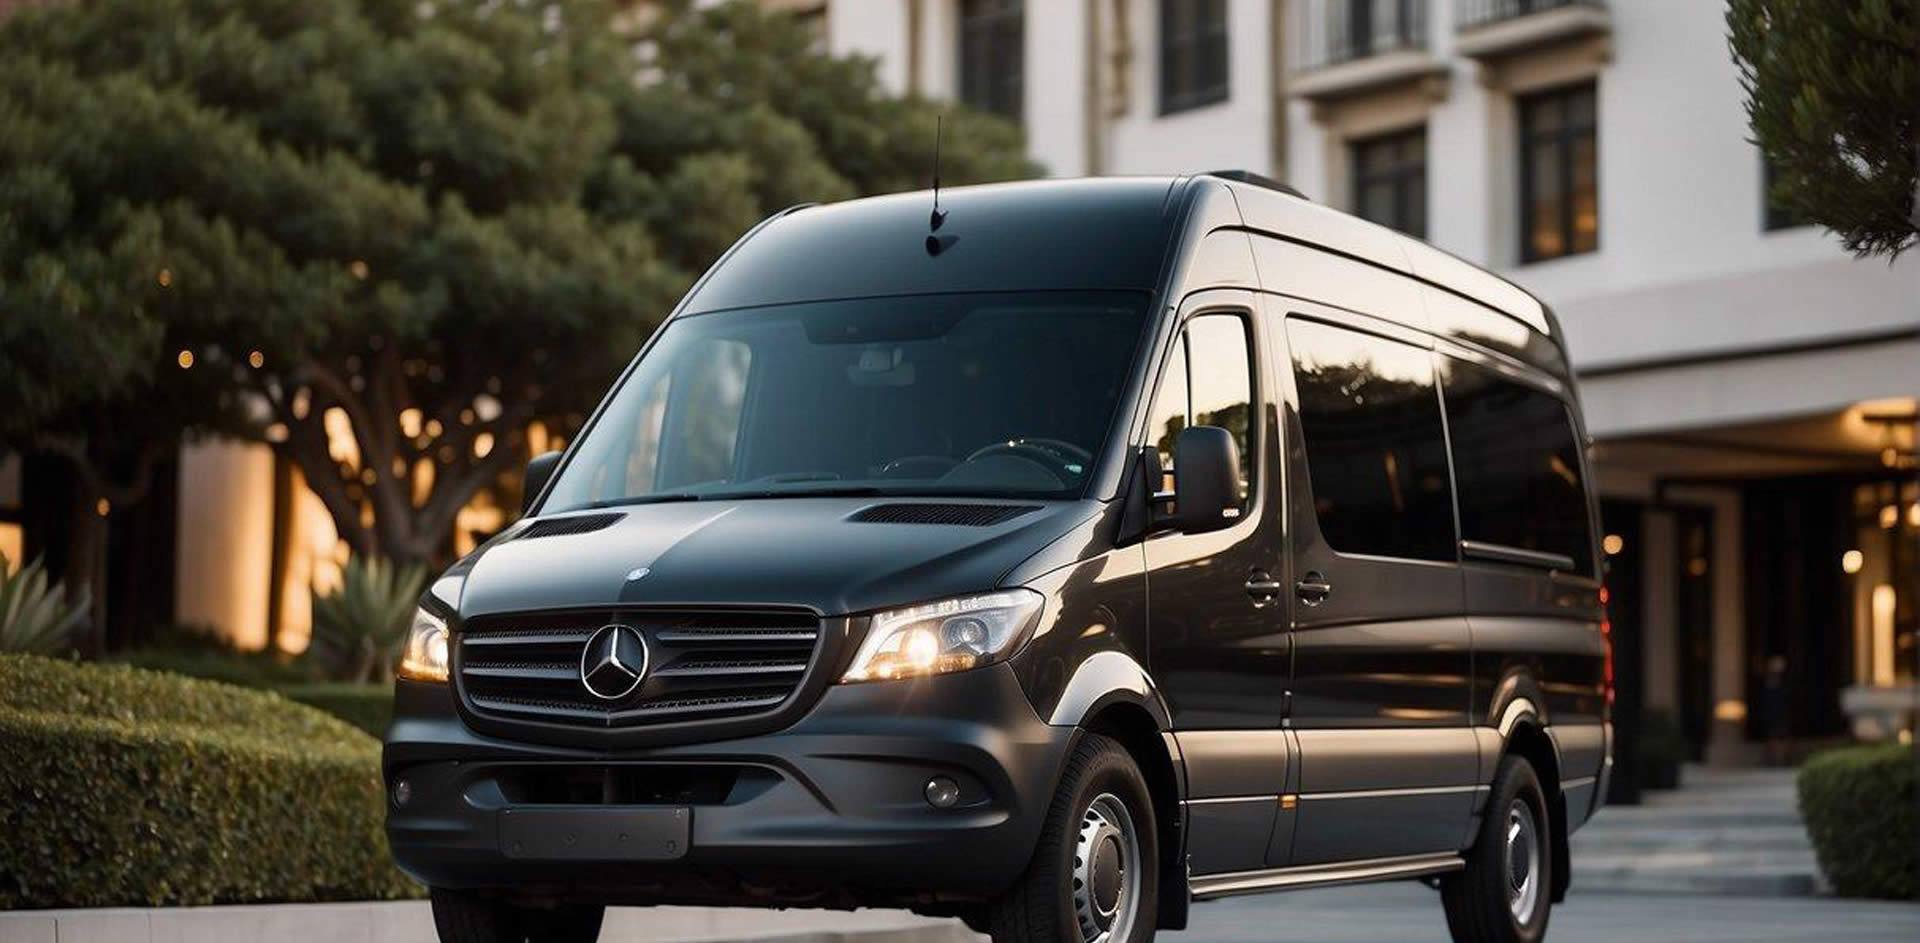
[[795, 551]]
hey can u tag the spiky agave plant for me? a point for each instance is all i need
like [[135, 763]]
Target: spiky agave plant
[[358, 628], [35, 615]]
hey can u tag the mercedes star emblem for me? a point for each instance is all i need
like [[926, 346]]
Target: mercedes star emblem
[[614, 662]]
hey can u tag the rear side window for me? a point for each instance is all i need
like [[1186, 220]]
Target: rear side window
[[1518, 465], [1376, 449]]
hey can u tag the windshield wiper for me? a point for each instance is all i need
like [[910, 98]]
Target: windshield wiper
[[845, 491], [642, 499]]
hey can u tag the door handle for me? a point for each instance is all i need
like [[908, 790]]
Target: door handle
[[1262, 587], [1313, 589]]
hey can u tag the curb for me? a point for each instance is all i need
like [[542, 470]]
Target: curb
[[412, 922]]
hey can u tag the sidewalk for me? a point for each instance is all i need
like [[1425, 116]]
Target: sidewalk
[[1733, 832], [412, 922]]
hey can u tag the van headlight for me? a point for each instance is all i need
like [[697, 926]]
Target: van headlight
[[425, 657], [945, 636]]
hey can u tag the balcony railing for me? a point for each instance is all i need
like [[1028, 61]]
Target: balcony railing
[[1330, 32], [1471, 13]]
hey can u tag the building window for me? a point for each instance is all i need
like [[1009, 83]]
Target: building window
[[1376, 446], [1774, 215], [1390, 180], [1559, 173], [992, 56], [1193, 54]]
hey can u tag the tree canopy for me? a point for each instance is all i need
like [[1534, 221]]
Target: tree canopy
[[433, 221], [1833, 97]]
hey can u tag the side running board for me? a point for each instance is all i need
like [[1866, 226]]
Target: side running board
[[1209, 886]]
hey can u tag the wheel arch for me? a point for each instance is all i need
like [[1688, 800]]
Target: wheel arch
[[1526, 736], [1147, 740]]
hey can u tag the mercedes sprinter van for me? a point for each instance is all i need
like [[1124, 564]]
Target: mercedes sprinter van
[[1051, 560]]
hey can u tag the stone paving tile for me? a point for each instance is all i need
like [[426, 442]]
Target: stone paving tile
[[1410, 913]]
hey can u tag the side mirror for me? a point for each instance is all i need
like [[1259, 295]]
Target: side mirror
[[1206, 479], [538, 471]]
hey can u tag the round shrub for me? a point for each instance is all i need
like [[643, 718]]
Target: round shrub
[[366, 706], [130, 787], [1858, 803]]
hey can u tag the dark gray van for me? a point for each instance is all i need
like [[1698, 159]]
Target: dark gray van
[[1051, 560]]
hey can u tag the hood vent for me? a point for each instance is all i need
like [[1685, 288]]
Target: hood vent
[[562, 526], [961, 515]]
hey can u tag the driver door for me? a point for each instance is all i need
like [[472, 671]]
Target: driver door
[[1217, 624]]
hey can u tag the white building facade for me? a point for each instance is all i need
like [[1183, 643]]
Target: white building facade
[[1751, 387]]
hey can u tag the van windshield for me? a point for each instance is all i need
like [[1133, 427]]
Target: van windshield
[[977, 394]]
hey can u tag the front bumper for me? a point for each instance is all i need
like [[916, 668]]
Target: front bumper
[[828, 811]]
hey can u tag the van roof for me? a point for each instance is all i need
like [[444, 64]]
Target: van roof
[[1085, 233]]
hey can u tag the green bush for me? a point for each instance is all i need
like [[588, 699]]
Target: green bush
[[1858, 805], [247, 669], [130, 787], [366, 706]]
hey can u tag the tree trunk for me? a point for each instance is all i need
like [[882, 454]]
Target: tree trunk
[[86, 570]]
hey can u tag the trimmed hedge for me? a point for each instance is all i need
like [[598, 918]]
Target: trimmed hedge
[[366, 706], [247, 669], [1858, 803], [130, 787]]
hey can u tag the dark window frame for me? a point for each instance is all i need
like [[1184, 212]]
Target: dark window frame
[[1188, 26], [1564, 139], [1399, 177], [992, 56]]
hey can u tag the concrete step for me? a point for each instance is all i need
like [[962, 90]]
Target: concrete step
[[1724, 832], [1717, 882]]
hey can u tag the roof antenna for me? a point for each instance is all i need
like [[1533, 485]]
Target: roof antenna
[[939, 215]]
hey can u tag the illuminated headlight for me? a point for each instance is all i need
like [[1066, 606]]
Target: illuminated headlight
[[425, 657], [950, 635]]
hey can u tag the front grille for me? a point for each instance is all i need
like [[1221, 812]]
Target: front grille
[[701, 666]]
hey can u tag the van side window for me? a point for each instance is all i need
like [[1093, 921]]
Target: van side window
[[1222, 383], [1171, 409], [1208, 382], [1518, 465], [1376, 449]]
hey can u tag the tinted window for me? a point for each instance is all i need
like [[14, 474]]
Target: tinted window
[[964, 394], [1208, 381], [1518, 465], [1222, 382], [1376, 452]]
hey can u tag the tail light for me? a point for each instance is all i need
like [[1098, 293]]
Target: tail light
[[1606, 638]]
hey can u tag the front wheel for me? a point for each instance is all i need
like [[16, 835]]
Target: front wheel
[[1095, 876], [1504, 895], [473, 917]]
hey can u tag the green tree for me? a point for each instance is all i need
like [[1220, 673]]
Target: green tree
[[427, 224], [1833, 97]]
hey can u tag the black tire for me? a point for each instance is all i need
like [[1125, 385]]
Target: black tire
[[1505, 893], [479, 917], [1097, 867], [572, 923]]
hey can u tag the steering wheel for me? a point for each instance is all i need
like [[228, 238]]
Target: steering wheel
[[917, 466], [1067, 460]]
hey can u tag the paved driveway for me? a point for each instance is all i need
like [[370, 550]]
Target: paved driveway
[[1410, 913]]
